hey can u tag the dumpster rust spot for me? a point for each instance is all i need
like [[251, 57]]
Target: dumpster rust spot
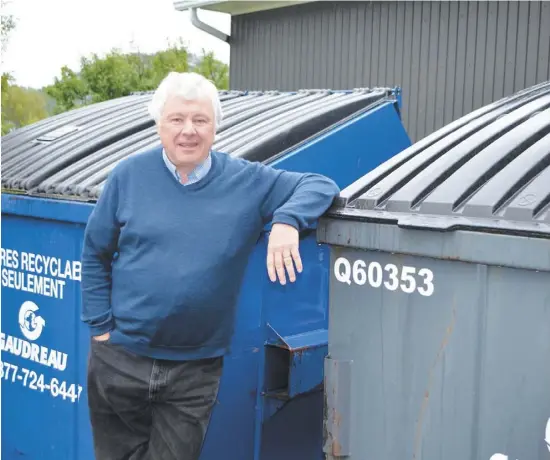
[[424, 406], [332, 439], [336, 417], [332, 419], [332, 435], [336, 410], [452, 258], [336, 449]]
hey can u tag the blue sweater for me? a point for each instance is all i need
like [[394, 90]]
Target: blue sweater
[[162, 264]]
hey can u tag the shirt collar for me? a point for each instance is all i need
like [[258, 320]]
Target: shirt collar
[[196, 175]]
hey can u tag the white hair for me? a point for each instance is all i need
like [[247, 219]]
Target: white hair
[[190, 86]]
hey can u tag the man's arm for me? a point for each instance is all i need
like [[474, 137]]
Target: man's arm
[[293, 202], [100, 245], [296, 199]]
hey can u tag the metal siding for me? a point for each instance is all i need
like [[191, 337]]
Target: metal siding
[[433, 60], [449, 57], [532, 43], [543, 70], [490, 49], [439, 109]]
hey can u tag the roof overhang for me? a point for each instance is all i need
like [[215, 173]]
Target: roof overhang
[[234, 7]]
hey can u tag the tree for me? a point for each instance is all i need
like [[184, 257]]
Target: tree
[[119, 74], [21, 107], [8, 24], [6, 80], [173, 59], [213, 69], [115, 75], [69, 91], [100, 78]]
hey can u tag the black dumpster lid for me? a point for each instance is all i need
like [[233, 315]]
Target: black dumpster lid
[[489, 170], [71, 154]]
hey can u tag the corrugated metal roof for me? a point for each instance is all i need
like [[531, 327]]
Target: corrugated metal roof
[[70, 155], [487, 170]]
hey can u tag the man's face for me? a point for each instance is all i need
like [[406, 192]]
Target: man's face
[[187, 130]]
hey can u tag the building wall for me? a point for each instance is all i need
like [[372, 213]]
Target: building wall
[[449, 57]]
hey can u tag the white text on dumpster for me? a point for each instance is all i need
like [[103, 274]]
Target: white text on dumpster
[[406, 279], [37, 273], [38, 382], [33, 352]]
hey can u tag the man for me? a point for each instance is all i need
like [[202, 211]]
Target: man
[[164, 254]]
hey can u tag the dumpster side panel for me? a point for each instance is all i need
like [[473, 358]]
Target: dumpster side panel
[[238, 386], [447, 359], [352, 149], [295, 432], [44, 346]]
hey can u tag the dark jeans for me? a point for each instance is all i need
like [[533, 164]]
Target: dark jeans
[[146, 409]]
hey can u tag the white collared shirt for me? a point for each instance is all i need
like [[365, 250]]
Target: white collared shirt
[[194, 176]]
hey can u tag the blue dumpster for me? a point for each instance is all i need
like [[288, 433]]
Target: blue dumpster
[[270, 401]]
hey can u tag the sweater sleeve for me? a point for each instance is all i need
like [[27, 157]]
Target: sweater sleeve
[[296, 199], [99, 248]]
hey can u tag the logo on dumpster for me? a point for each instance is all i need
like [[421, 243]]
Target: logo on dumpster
[[30, 323]]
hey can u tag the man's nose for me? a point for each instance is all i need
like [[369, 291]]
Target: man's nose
[[187, 127]]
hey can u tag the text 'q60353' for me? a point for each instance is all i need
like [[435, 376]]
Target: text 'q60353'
[[390, 276]]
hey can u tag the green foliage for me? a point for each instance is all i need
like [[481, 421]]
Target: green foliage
[[20, 106], [214, 70], [6, 80], [119, 74], [8, 24], [174, 59], [102, 78], [69, 91], [113, 76]]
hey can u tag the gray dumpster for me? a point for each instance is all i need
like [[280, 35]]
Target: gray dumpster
[[439, 306]]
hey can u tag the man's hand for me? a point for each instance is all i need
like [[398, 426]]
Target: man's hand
[[102, 338], [282, 253]]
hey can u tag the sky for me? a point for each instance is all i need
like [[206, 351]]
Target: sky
[[52, 33]]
